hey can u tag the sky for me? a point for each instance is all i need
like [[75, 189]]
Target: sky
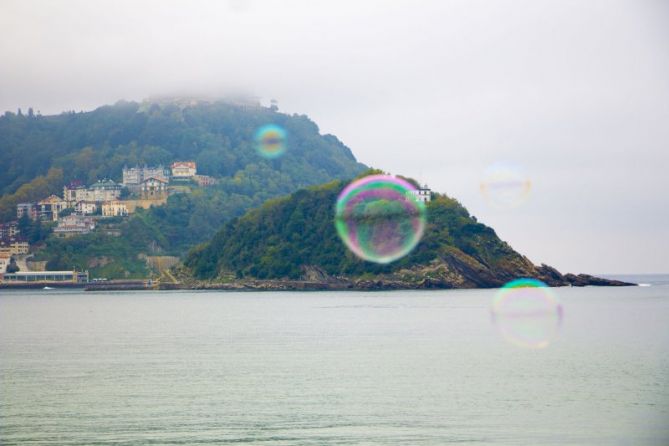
[[573, 93]]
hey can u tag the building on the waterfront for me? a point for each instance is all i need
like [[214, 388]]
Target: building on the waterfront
[[184, 169], [153, 188], [74, 225], [46, 277], [86, 207], [133, 176], [50, 207], [29, 209], [115, 209]]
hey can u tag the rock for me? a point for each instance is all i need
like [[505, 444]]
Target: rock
[[588, 280]]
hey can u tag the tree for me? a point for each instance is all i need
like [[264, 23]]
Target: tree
[[13, 267]]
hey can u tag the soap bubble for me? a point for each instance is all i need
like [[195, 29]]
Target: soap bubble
[[379, 218], [527, 313], [270, 141], [505, 186]]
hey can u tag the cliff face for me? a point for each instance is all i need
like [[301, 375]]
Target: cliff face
[[291, 243]]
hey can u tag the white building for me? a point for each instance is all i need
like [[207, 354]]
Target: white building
[[184, 169], [74, 225], [46, 277], [422, 194], [104, 190], [153, 188], [86, 207], [74, 192], [133, 176], [114, 209]]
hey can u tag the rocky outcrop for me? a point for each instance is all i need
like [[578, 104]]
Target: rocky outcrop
[[453, 271]]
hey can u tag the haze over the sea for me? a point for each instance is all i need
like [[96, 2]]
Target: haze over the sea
[[577, 93]]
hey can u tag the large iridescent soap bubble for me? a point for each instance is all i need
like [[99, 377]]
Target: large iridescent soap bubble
[[527, 313], [505, 186], [379, 218], [270, 141]]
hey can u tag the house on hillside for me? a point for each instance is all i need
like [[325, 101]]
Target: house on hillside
[[204, 180], [50, 207], [152, 188], [114, 209], [422, 194], [86, 207], [14, 246], [184, 169], [133, 176], [74, 192], [74, 225], [104, 190], [10, 229], [29, 209]]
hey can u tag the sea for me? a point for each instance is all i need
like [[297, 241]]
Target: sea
[[331, 368]]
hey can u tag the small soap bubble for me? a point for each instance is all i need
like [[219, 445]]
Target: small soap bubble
[[379, 218], [505, 186], [527, 313], [270, 141]]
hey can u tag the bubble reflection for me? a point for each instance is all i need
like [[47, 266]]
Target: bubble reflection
[[379, 218], [505, 186], [270, 141], [527, 313]]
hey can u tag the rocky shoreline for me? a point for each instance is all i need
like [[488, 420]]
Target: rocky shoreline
[[451, 274]]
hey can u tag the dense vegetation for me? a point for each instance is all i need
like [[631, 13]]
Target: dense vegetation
[[42, 153], [217, 135], [285, 235]]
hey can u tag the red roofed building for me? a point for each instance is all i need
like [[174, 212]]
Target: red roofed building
[[184, 169]]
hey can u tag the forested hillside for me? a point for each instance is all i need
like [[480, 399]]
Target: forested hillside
[[295, 238], [217, 135], [40, 154], [287, 236]]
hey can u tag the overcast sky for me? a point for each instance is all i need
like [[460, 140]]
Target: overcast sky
[[577, 92]]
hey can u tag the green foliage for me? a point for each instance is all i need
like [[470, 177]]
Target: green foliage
[[218, 135], [13, 267], [35, 231], [284, 235], [103, 255], [34, 189], [42, 153]]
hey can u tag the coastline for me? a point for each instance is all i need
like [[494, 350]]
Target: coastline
[[323, 283], [581, 280]]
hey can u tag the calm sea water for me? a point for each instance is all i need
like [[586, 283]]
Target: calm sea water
[[409, 368]]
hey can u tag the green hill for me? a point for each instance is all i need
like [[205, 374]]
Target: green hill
[[43, 153], [295, 238], [216, 134]]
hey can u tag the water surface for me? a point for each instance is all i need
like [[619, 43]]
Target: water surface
[[420, 368]]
